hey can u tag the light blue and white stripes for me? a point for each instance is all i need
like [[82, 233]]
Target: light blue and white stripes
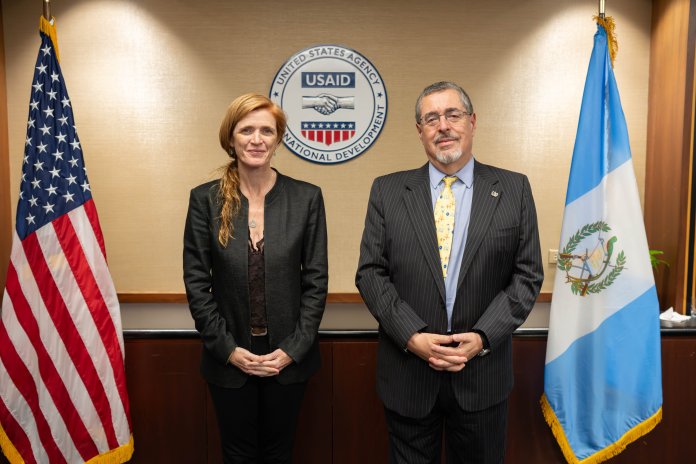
[[602, 382]]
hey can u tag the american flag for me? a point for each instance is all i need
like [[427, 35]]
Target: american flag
[[63, 395]]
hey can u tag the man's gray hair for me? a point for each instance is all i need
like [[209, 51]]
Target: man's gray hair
[[439, 87]]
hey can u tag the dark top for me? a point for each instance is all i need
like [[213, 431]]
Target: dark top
[[257, 286]]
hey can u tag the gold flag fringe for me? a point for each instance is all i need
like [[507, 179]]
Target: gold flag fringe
[[608, 24], [115, 456], [49, 28], [8, 449], [603, 454]]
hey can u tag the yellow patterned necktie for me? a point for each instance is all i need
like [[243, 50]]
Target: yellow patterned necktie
[[444, 221]]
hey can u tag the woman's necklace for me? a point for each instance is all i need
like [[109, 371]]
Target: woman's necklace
[[252, 223]]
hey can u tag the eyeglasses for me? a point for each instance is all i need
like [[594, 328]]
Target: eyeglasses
[[452, 117]]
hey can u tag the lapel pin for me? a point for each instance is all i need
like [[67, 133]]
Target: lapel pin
[[494, 193]]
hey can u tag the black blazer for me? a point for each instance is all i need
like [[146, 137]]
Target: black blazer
[[296, 278], [399, 278]]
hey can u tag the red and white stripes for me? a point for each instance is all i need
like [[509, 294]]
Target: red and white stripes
[[63, 394]]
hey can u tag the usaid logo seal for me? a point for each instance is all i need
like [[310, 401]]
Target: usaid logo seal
[[335, 101]]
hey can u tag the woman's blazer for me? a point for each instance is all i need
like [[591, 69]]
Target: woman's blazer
[[296, 271]]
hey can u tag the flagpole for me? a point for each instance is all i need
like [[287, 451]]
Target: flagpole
[[47, 9], [601, 8]]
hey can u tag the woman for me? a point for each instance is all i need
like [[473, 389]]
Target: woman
[[256, 274]]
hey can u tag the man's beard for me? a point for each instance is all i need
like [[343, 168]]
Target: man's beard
[[448, 158]]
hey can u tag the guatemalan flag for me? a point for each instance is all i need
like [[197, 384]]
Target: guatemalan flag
[[602, 380]]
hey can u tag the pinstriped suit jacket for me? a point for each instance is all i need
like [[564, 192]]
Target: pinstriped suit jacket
[[399, 278]]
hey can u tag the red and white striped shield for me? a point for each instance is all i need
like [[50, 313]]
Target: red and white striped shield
[[328, 132]]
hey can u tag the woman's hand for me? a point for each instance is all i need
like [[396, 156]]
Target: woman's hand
[[278, 360], [252, 364]]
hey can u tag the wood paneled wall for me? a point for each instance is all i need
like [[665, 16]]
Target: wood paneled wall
[[342, 420], [669, 150]]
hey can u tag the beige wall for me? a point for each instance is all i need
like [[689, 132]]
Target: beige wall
[[149, 81]]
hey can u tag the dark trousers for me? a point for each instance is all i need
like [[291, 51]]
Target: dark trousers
[[257, 422], [470, 437]]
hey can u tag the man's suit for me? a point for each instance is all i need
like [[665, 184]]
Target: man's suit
[[400, 278]]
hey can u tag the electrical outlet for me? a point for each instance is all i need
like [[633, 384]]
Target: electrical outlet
[[553, 256]]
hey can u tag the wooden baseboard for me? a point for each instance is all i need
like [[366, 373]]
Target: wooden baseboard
[[152, 298], [133, 297]]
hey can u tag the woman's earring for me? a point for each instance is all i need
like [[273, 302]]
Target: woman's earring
[[231, 152]]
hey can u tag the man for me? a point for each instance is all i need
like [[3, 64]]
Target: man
[[448, 292]]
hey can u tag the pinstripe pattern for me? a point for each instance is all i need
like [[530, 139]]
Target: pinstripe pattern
[[470, 437], [400, 280]]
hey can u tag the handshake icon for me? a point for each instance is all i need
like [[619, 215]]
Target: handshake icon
[[326, 104]]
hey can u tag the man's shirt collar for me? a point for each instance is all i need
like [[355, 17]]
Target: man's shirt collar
[[465, 174]]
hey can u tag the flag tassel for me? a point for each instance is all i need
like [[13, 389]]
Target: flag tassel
[[607, 22], [47, 28], [604, 454]]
